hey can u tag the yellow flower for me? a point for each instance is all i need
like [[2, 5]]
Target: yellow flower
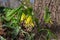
[[23, 17], [51, 22], [28, 20]]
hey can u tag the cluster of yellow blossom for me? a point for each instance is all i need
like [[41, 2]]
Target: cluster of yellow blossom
[[28, 20]]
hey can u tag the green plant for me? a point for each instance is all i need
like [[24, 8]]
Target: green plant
[[21, 20], [47, 20], [49, 34], [14, 17], [47, 16]]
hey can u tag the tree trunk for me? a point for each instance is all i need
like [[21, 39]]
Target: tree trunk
[[53, 5]]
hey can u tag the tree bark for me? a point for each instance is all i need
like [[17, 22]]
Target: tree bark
[[53, 5]]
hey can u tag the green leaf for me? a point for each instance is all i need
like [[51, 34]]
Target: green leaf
[[1, 38], [47, 16], [50, 34], [9, 12], [15, 32]]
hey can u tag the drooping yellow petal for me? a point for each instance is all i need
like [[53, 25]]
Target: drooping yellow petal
[[23, 17], [28, 20], [51, 22]]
